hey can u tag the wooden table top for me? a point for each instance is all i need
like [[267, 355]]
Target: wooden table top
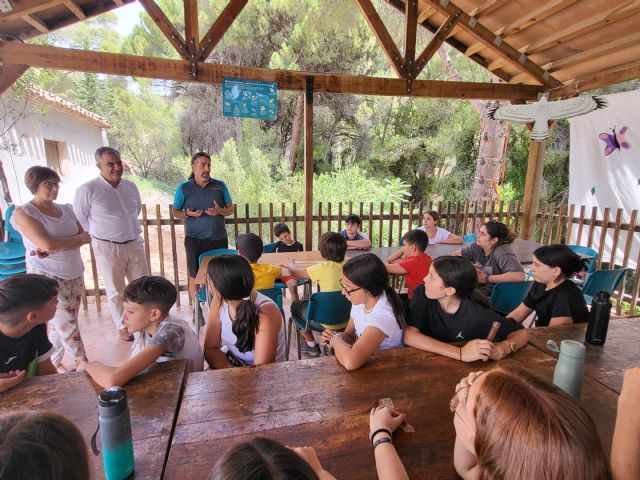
[[316, 402], [522, 248], [153, 398], [604, 363]]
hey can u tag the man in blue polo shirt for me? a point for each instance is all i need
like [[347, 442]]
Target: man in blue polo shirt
[[204, 202]]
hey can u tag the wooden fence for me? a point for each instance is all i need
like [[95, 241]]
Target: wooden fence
[[385, 223]]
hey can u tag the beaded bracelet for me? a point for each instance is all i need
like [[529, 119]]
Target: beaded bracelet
[[381, 429], [382, 440]]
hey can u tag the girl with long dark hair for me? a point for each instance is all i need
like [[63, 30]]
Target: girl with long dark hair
[[246, 323], [448, 308], [377, 313]]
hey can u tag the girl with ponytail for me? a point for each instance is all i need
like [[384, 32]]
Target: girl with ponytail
[[377, 313], [448, 308], [553, 296], [244, 321]]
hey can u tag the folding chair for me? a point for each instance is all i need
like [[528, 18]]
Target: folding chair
[[326, 308], [507, 296]]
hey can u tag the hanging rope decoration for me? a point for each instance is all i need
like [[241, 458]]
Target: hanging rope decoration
[[543, 111]]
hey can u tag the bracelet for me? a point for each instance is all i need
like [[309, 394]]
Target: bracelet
[[513, 347], [382, 440], [335, 335], [381, 429], [460, 348]]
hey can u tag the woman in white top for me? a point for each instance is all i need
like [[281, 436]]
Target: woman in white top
[[245, 323], [52, 238], [377, 314], [435, 233]]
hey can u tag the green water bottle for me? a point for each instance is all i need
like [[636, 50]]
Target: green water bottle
[[115, 434]]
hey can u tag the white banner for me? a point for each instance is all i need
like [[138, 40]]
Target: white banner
[[604, 168]]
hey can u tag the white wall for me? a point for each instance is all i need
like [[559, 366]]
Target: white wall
[[81, 139]]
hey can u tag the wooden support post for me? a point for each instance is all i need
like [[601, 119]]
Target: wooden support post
[[308, 165], [532, 185], [9, 74]]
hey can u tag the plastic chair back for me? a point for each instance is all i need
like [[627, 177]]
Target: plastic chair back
[[607, 280], [269, 248], [202, 292], [580, 250], [274, 294], [505, 297], [328, 308], [13, 236], [470, 238]]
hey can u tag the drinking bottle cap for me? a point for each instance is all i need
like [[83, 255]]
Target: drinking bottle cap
[[112, 401], [603, 295], [572, 349]]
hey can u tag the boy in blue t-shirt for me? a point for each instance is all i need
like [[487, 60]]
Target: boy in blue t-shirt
[[356, 240], [27, 303]]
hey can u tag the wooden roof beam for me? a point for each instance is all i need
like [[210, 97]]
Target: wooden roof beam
[[617, 74], [487, 8], [75, 9], [497, 44], [166, 27], [180, 70], [191, 33], [425, 14], [219, 28], [410, 29], [435, 43], [382, 34], [36, 23], [10, 73], [608, 17], [118, 3], [23, 9], [525, 21]]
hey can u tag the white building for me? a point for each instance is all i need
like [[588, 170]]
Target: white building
[[55, 133]]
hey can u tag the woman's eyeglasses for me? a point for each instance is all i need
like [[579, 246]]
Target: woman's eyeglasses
[[349, 292]]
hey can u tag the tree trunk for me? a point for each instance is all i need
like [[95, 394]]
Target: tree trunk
[[5, 185], [296, 133]]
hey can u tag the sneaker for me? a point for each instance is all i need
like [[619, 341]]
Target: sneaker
[[310, 351]]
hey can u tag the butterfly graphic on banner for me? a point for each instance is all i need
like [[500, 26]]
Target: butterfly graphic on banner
[[615, 141]]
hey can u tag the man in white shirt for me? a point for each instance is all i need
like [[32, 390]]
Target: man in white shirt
[[108, 207]]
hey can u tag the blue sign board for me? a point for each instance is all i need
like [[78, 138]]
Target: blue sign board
[[249, 99]]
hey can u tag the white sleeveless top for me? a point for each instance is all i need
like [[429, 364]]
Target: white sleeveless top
[[382, 318], [65, 264], [229, 339], [441, 234]]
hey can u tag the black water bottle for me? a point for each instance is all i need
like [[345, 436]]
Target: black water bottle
[[599, 318]]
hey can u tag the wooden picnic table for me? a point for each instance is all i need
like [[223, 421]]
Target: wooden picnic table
[[604, 363], [153, 398], [316, 402]]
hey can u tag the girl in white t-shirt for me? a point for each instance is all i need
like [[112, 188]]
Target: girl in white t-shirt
[[377, 314], [245, 327], [435, 233]]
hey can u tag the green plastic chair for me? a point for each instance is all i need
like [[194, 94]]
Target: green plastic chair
[[275, 294], [470, 237], [605, 280], [507, 296]]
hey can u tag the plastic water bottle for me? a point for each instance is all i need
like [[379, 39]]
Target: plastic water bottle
[[569, 371], [115, 433], [599, 318]]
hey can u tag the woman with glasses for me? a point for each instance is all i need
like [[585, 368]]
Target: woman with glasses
[[52, 238], [377, 313], [493, 257], [509, 423]]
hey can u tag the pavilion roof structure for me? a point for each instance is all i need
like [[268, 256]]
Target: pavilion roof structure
[[563, 47]]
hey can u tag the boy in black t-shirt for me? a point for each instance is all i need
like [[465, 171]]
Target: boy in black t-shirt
[[287, 244], [27, 303]]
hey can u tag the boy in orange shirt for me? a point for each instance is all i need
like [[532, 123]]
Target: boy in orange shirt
[[411, 260]]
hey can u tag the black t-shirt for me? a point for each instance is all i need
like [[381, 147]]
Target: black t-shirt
[[26, 352], [471, 321], [283, 247], [565, 300]]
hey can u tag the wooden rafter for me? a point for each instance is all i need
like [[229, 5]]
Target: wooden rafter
[[118, 3], [528, 19], [608, 17], [435, 43], [36, 23], [500, 47], [166, 27], [602, 50], [191, 33], [617, 74], [425, 14], [21, 10], [382, 34], [75, 9], [180, 70], [9, 73], [410, 29], [219, 28], [487, 7], [452, 41]]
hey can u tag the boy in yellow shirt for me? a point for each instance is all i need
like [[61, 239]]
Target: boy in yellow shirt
[[333, 247], [250, 246]]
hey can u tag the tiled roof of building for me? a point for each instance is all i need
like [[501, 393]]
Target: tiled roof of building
[[51, 99]]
